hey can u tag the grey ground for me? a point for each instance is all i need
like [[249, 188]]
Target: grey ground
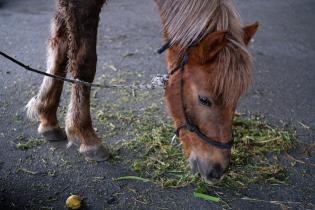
[[283, 90]]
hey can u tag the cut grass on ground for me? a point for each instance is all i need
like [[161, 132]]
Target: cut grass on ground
[[32, 143], [254, 155], [138, 120]]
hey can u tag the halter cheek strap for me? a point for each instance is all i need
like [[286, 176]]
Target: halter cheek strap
[[189, 125]]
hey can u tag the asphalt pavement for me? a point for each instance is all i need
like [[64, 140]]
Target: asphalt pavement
[[283, 91]]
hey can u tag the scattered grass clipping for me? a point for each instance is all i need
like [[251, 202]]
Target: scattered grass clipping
[[254, 155], [30, 144], [147, 134]]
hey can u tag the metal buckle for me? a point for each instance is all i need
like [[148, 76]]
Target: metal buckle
[[192, 128]]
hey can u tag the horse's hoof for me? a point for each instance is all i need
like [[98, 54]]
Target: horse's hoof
[[57, 134], [98, 153]]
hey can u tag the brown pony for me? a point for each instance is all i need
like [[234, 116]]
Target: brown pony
[[209, 68]]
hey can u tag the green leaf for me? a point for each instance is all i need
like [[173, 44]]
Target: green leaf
[[206, 197], [132, 178]]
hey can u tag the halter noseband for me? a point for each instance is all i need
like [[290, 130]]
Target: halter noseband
[[189, 125]]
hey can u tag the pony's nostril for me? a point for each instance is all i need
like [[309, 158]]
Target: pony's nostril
[[216, 172]]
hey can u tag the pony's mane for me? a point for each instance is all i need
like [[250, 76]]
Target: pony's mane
[[189, 21]]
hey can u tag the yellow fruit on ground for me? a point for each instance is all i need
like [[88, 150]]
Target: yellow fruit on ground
[[73, 202]]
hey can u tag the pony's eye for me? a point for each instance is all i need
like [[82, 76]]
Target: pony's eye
[[205, 101]]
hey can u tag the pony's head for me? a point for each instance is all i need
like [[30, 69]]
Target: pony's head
[[205, 92], [209, 44]]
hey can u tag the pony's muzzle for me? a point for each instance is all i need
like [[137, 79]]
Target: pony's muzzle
[[209, 171]]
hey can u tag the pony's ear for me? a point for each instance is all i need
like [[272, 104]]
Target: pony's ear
[[249, 32], [211, 45]]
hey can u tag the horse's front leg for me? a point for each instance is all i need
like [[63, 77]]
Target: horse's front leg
[[82, 24], [79, 125], [44, 106]]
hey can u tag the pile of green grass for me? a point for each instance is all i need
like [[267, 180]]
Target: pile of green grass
[[147, 132], [254, 155]]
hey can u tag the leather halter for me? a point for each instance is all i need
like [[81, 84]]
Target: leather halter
[[189, 124]]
